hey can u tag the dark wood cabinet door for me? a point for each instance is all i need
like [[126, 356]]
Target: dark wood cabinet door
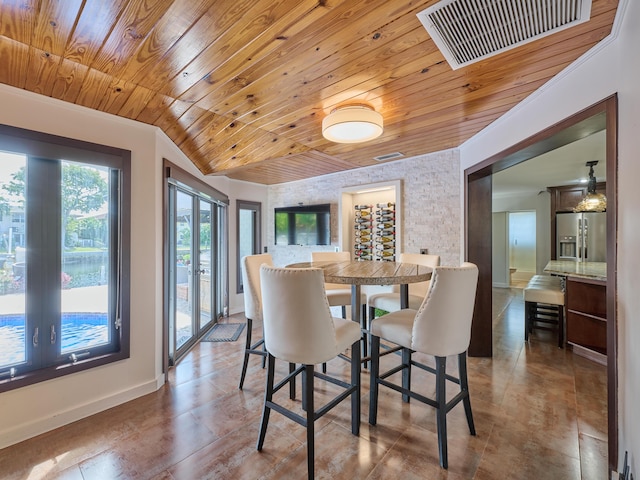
[[586, 304]]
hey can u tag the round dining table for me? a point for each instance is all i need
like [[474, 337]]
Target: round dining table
[[370, 272]]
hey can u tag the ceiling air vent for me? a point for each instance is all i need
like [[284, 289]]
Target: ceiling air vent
[[466, 31], [388, 156]]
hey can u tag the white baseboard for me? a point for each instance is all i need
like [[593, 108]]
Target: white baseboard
[[39, 426], [500, 285]]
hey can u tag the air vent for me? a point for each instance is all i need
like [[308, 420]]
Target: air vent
[[388, 156], [467, 31]]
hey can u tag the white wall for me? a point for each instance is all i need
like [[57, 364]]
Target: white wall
[[613, 66], [32, 410]]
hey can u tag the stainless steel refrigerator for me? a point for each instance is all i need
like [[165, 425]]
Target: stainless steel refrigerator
[[581, 237]]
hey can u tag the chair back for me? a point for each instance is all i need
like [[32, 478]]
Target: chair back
[[442, 325], [432, 261], [298, 325], [251, 284], [332, 257]]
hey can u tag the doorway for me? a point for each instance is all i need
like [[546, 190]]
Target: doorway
[[478, 189]]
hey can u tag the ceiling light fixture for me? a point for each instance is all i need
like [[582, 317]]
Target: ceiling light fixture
[[592, 202], [352, 124]]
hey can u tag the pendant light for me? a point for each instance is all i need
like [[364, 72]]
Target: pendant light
[[592, 202]]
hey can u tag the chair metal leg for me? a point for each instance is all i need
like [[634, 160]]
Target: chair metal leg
[[365, 334], [344, 311], [406, 373], [441, 400], [268, 396], [355, 396], [292, 383], [374, 370], [247, 348], [308, 389], [464, 387], [264, 358], [304, 390]]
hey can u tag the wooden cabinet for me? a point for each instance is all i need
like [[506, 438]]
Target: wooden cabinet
[[586, 304], [565, 198]]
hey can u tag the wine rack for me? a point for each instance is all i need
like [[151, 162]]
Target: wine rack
[[375, 232]]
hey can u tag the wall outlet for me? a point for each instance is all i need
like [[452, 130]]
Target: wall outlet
[[424, 251]]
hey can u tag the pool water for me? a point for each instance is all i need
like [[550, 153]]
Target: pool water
[[79, 330]]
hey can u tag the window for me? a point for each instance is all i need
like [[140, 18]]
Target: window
[[64, 293], [248, 235]]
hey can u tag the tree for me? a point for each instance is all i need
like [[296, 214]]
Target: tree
[[83, 191]]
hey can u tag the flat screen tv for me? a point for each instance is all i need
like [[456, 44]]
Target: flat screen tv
[[303, 225]]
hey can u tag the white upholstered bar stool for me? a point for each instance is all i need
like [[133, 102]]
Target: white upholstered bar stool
[[339, 295], [390, 301], [252, 306], [440, 327], [299, 329]]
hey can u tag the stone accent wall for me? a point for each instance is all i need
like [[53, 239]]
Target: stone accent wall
[[430, 204]]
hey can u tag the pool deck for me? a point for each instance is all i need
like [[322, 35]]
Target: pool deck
[[82, 299]]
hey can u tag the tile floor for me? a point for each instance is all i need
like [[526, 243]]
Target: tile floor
[[540, 413]]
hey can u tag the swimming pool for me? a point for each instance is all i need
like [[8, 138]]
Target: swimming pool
[[79, 330]]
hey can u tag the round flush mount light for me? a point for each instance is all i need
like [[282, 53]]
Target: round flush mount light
[[352, 124]]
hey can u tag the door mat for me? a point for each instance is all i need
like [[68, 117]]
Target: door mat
[[224, 332]]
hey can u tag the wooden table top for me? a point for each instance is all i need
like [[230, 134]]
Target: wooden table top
[[369, 272]]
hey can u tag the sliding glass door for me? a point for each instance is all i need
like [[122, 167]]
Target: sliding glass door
[[195, 290]]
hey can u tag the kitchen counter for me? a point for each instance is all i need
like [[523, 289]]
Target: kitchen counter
[[586, 306], [586, 270]]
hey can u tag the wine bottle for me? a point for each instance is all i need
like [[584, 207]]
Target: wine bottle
[[362, 239], [362, 207], [363, 213], [386, 205], [385, 226], [385, 240], [385, 211], [386, 246], [386, 218], [363, 220], [362, 226]]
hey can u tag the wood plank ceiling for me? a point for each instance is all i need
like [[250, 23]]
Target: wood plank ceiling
[[242, 86]]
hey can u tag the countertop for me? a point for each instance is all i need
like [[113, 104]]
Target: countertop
[[588, 270]]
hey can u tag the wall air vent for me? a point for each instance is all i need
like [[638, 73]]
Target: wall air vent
[[467, 31], [388, 156]]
